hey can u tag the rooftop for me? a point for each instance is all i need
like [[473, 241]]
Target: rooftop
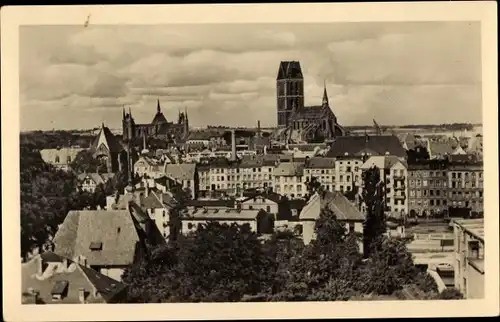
[[50, 274], [221, 214], [475, 227]]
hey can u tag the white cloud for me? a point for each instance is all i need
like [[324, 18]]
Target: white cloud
[[396, 72]]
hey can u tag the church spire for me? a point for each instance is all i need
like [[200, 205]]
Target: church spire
[[124, 112], [158, 109], [325, 94]]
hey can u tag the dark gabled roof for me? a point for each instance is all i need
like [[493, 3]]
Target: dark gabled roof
[[273, 196], [289, 69], [210, 203], [105, 136], [355, 145], [320, 163], [310, 112], [297, 204], [463, 158], [106, 286]]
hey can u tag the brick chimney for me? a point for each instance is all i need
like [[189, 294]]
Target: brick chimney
[[233, 145], [81, 295]]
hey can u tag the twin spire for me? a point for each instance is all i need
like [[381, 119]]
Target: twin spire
[[158, 110]]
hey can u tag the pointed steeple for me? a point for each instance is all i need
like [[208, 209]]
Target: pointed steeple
[[129, 112], [158, 109], [124, 112], [325, 94]]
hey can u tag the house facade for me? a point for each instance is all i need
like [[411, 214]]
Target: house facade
[[469, 257]]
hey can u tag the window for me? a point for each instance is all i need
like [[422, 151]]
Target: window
[[57, 159], [68, 159]]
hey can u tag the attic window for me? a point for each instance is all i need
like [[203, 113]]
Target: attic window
[[59, 290], [95, 246]]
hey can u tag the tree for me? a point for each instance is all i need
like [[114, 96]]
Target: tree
[[373, 197], [214, 264]]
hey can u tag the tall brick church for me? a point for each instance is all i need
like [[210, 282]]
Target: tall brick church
[[302, 123], [159, 126]]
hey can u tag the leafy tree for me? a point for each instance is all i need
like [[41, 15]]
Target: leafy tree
[[373, 197], [85, 162], [216, 263]]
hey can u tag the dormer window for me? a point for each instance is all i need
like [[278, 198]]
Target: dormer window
[[60, 290], [95, 246]]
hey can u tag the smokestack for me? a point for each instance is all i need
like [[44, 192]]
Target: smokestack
[[233, 145], [258, 128]]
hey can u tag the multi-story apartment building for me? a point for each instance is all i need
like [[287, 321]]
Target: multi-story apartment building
[[428, 188], [393, 173], [348, 173], [465, 183], [288, 179], [469, 257], [321, 168]]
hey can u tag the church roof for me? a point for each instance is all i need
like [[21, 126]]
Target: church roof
[[159, 118], [289, 69], [108, 139], [310, 112]]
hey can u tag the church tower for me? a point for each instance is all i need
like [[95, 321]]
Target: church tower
[[290, 90], [128, 126]]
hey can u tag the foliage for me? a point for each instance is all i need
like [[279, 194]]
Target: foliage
[[450, 293], [375, 224], [55, 139], [216, 263], [47, 194], [228, 263], [85, 162]]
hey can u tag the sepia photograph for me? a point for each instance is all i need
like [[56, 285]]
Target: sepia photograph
[[251, 161]]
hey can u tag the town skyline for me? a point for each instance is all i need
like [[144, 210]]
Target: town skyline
[[94, 72]]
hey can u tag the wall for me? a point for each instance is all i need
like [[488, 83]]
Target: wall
[[161, 220], [115, 272], [186, 222], [475, 283], [308, 233], [261, 203]]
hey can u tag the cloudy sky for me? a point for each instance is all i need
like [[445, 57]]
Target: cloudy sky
[[398, 73]]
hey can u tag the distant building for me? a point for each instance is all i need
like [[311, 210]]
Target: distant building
[[60, 158], [366, 146], [184, 173], [428, 188], [345, 211], [109, 151], [466, 183], [159, 126], [323, 169], [51, 279], [288, 179], [393, 173], [195, 216], [469, 257], [89, 181], [148, 167], [303, 123], [159, 207]]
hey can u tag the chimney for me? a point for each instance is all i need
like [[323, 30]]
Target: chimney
[[233, 145], [81, 295], [65, 264], [146, 188], [258, 128], [161, 198]]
